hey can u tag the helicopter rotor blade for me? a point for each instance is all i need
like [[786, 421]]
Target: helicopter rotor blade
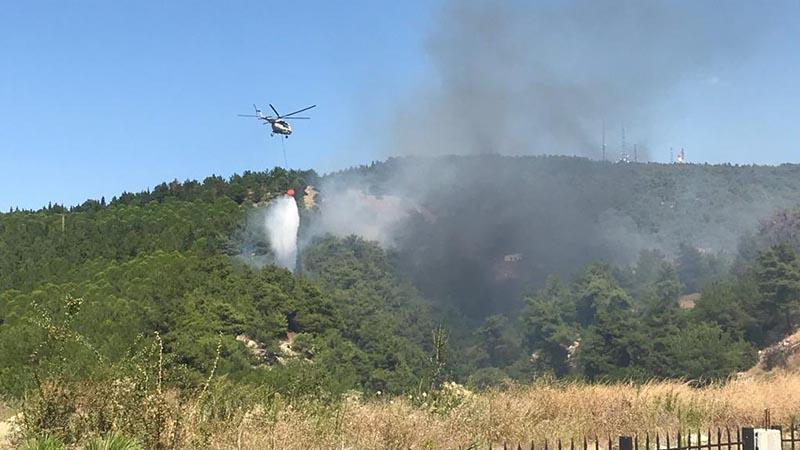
[[247, 115], [299, 110], [292, 118], [275, 110]]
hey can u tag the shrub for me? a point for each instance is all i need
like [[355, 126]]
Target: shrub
[[43, 443], [113, 442]]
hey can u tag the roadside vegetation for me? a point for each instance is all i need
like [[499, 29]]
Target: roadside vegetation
[[224, 417]]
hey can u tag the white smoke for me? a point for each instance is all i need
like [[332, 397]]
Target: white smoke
[[351, 211], [281, 223]]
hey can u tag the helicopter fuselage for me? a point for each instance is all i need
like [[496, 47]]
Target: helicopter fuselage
[[281, 127]]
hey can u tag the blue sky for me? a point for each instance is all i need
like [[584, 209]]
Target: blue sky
[[101, 97]]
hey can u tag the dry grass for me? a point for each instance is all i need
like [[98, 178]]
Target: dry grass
[[457, 418], [519, 414]]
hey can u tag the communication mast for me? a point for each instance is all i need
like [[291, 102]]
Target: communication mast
[[604, 140], [681, 157], [624, 148], [624, 157]]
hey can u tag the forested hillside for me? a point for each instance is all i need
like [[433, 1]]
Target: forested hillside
[[502, 268], [169, 262]]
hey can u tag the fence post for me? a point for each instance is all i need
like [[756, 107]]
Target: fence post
[[625, 443], [748, 439]]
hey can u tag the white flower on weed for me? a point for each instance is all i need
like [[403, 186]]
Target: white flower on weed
[[456, 390], [353, 396]]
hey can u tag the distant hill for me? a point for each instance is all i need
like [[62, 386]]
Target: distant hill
[[474, 268], [556, 213]]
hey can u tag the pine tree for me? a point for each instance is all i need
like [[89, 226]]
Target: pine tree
[[778, 276]]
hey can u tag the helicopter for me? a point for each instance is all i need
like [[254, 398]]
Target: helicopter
[[278, 122]]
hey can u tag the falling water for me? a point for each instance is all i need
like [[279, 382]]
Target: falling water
[[282, 221]]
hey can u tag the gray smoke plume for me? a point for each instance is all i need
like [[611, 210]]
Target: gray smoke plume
[[541, 77], [529, 78]]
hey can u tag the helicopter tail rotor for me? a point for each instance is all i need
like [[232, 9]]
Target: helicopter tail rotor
[[258, 111]]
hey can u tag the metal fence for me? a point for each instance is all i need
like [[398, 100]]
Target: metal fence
[[719, 439], [741, 439], [793, 440]]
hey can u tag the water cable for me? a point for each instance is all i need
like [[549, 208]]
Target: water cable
[[285, 161]]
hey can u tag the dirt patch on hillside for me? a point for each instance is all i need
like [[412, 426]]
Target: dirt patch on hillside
[[7, 427], [688, 301], [783, 355]]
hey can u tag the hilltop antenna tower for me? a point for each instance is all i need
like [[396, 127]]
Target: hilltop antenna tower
[[604, 140], [635, 154], [682, 157], [624, 148]]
